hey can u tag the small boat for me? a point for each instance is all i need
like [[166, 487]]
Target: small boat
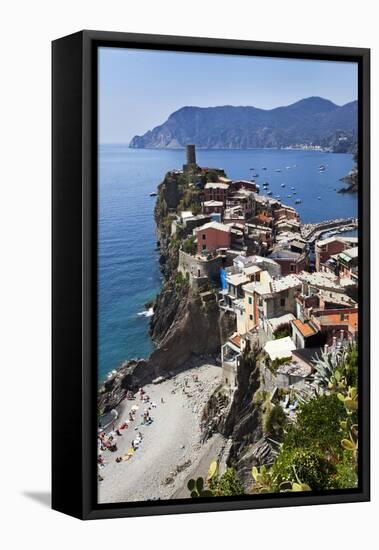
[[319, 198], [283, 185], [289, 196], [265, 184], [153, 194], [288, 167], [294, 193], [278, 170], [297, 201], [255, 175], [293, 189], [264, 168], [277, 196], [322, 168], [269, 192]]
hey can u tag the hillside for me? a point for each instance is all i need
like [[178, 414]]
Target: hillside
[[311, 121]]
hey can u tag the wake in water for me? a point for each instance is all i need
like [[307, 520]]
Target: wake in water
[[147, 313]]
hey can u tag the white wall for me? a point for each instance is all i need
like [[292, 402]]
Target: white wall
[[27, 29]]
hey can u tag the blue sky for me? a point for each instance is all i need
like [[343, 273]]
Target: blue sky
[[139, 89]]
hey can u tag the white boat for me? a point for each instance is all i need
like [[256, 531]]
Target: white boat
[[297, 201], [283, 185], [278, 170], [153, 194]]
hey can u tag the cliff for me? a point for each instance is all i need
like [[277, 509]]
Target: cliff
[[311, 121], [183, 325]]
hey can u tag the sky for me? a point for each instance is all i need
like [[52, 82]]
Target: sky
[[139, 89]]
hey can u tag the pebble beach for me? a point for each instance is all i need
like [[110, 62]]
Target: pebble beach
[[170, 449]]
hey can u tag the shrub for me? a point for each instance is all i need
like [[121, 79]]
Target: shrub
[[282, 331], [229, 484], [318, 425], [309, 466], [189, 246], [274, 420]]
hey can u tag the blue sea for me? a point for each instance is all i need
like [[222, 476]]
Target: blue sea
[[128, 261]]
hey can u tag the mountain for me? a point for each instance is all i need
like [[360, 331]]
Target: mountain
[[310, 121]]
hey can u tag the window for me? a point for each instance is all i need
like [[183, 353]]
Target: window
[[204, 246], [343, 317], [250, 300], [292, 268], [282, 302], [204, 236], [250, 317]]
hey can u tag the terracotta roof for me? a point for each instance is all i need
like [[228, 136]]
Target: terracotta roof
[[304, 328], [236, 340]]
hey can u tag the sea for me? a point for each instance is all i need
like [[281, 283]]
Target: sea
[[128, 269]]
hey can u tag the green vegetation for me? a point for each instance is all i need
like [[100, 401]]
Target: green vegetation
[[319, 450], [274, 420], [226, 485], [282, 331], [190, 246], [317, 426], [310, 466]]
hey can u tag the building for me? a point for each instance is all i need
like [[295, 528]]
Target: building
[[289, 261], [279, 349], [213, 207], [340, 324], [211, 236], [230, 361], [269, 299], [347, 264], [305, 334], [217, 191], [326, 248]]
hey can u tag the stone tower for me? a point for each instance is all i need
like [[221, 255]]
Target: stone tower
[[190, 158], [191, 154]]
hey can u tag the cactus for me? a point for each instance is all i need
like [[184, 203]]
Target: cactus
[[213, 470], [196, 488], [350, 426]]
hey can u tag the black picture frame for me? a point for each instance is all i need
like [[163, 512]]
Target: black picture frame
[[74, 332]]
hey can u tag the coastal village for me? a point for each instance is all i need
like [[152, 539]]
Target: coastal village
[[288, 294]]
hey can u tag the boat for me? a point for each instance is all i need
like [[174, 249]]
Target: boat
[[294, 193], [322, 168], [153, 194], [297, 201], [277, 196], [255, 175], [278, 170], [264, 168], [288, 167], [289, 196], [269, 192], [319, 198], [265, 184], [293, 189], [282, 185]]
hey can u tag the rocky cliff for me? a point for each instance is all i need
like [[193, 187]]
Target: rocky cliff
[[183, 325]]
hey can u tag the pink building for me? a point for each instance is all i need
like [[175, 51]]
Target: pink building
[[212, 236]]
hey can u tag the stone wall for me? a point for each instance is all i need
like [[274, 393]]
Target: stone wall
[[199, 268]]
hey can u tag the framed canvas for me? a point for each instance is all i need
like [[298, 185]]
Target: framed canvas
[[211, 299]]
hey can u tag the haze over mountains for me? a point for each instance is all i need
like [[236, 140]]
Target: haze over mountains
[[310, 121]]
